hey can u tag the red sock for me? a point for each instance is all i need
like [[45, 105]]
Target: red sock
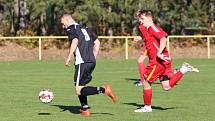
[[175, 78], [141, 70], [147, 96]]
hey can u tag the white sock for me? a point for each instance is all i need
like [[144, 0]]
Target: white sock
[[183, 70], [148, 106]]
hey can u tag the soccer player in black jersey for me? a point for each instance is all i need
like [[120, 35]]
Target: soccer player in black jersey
[[85, 46]]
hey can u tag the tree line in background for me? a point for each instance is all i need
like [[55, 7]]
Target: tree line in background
[[104, 17]]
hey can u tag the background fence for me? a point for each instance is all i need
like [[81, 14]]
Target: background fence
[[201, 50]]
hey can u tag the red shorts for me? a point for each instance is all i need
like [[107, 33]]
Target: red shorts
[[157, 69], [153, 72]]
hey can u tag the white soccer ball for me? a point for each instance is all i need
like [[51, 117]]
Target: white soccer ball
[[46, 96]]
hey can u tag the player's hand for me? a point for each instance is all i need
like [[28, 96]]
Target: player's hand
[[67, 62], [163, 57], [136, 40]]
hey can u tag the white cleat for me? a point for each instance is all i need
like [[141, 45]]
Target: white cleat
[[190, 68], [143, 110]]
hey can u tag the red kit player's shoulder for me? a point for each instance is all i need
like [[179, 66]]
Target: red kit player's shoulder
[[156, 28], [157, 31]]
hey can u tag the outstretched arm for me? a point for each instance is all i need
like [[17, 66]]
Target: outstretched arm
[[96, 47], [71, 50]]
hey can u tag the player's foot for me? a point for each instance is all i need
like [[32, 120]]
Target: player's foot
[[109, 92], [85, 112], [138, 83], [189, 68], [144, 109]]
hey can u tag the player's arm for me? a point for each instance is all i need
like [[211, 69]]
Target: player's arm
[[71, 50], [96, 47], [73, 38], [163, 42], [158, 33], [96, 43]]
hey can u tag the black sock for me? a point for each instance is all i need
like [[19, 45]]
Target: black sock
[[83, 100], [92, 90]]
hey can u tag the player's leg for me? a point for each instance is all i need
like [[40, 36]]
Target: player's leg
[[141, 69], [141, 66], [147, 97], [168, 83], [78, 75], [90, 90], [150, 75], [83, 77]]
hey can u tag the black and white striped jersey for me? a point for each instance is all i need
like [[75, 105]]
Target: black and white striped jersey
[[86, 38]]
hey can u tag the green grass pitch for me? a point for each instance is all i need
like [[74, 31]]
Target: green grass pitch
[[193, 99]]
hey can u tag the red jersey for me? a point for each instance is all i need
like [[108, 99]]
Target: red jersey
[[156, 67], [151, 37]]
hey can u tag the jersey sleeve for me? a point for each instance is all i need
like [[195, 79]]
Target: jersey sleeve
[[157, 31], [92, 34], [71, 32]]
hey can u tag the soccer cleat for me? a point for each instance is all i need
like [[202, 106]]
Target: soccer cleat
[[109, 92], [189, 68], [143, 110], [138, 83], [85, 112]]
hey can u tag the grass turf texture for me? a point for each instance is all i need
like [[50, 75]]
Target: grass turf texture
[[21, 81]]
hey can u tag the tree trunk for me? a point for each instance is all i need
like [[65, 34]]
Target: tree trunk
[[183, 16], [22, 13], [15, 17], [122, 28], [110, 30], [1, 11], [211, 16], [16, 7], [12, 29], [42, 22]]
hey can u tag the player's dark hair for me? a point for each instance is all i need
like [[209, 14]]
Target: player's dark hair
[[145, 12]]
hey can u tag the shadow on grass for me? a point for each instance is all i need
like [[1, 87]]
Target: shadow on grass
[[72, 109], [44, 113], [103, 113], [75, 109], [136, 80], [153, 107]]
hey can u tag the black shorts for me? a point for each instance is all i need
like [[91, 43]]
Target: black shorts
[[82, 75]]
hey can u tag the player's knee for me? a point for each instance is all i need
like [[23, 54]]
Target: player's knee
[[78, 90], [146, 85], [140, 60]]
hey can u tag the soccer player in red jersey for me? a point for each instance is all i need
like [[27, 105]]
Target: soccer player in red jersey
[[160, 61]]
